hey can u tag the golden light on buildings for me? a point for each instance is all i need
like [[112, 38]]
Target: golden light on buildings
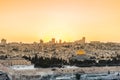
[[80, 52]]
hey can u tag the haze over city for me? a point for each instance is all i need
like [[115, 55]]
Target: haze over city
[[69, 20]]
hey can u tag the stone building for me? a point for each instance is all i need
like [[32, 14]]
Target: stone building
[[3, 41], [60, 41], [82, 41], [41, 41], [16, 61], [53, 40]]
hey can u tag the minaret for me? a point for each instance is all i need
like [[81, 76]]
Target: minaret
[[83, 40]]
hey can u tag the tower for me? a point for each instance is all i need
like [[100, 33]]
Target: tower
[[60, 41], [41, 41], [53, 40], [83, 40], [3, 41]]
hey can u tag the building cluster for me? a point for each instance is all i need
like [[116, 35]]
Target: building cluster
[[93, 50], [12, 54], [54, 41], [15, 61], [50, 49]]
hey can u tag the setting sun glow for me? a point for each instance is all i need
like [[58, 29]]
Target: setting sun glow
[[69, 20]]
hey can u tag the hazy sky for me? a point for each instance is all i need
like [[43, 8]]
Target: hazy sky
[[31, 20]]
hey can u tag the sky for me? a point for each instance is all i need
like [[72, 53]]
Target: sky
[[69, 20]]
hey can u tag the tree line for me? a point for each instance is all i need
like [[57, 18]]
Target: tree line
[[44, 62]]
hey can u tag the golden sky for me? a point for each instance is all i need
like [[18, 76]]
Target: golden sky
[[69, 20]]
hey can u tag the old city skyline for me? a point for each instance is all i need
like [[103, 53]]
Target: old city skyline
[[52, 40], [59, 39]]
